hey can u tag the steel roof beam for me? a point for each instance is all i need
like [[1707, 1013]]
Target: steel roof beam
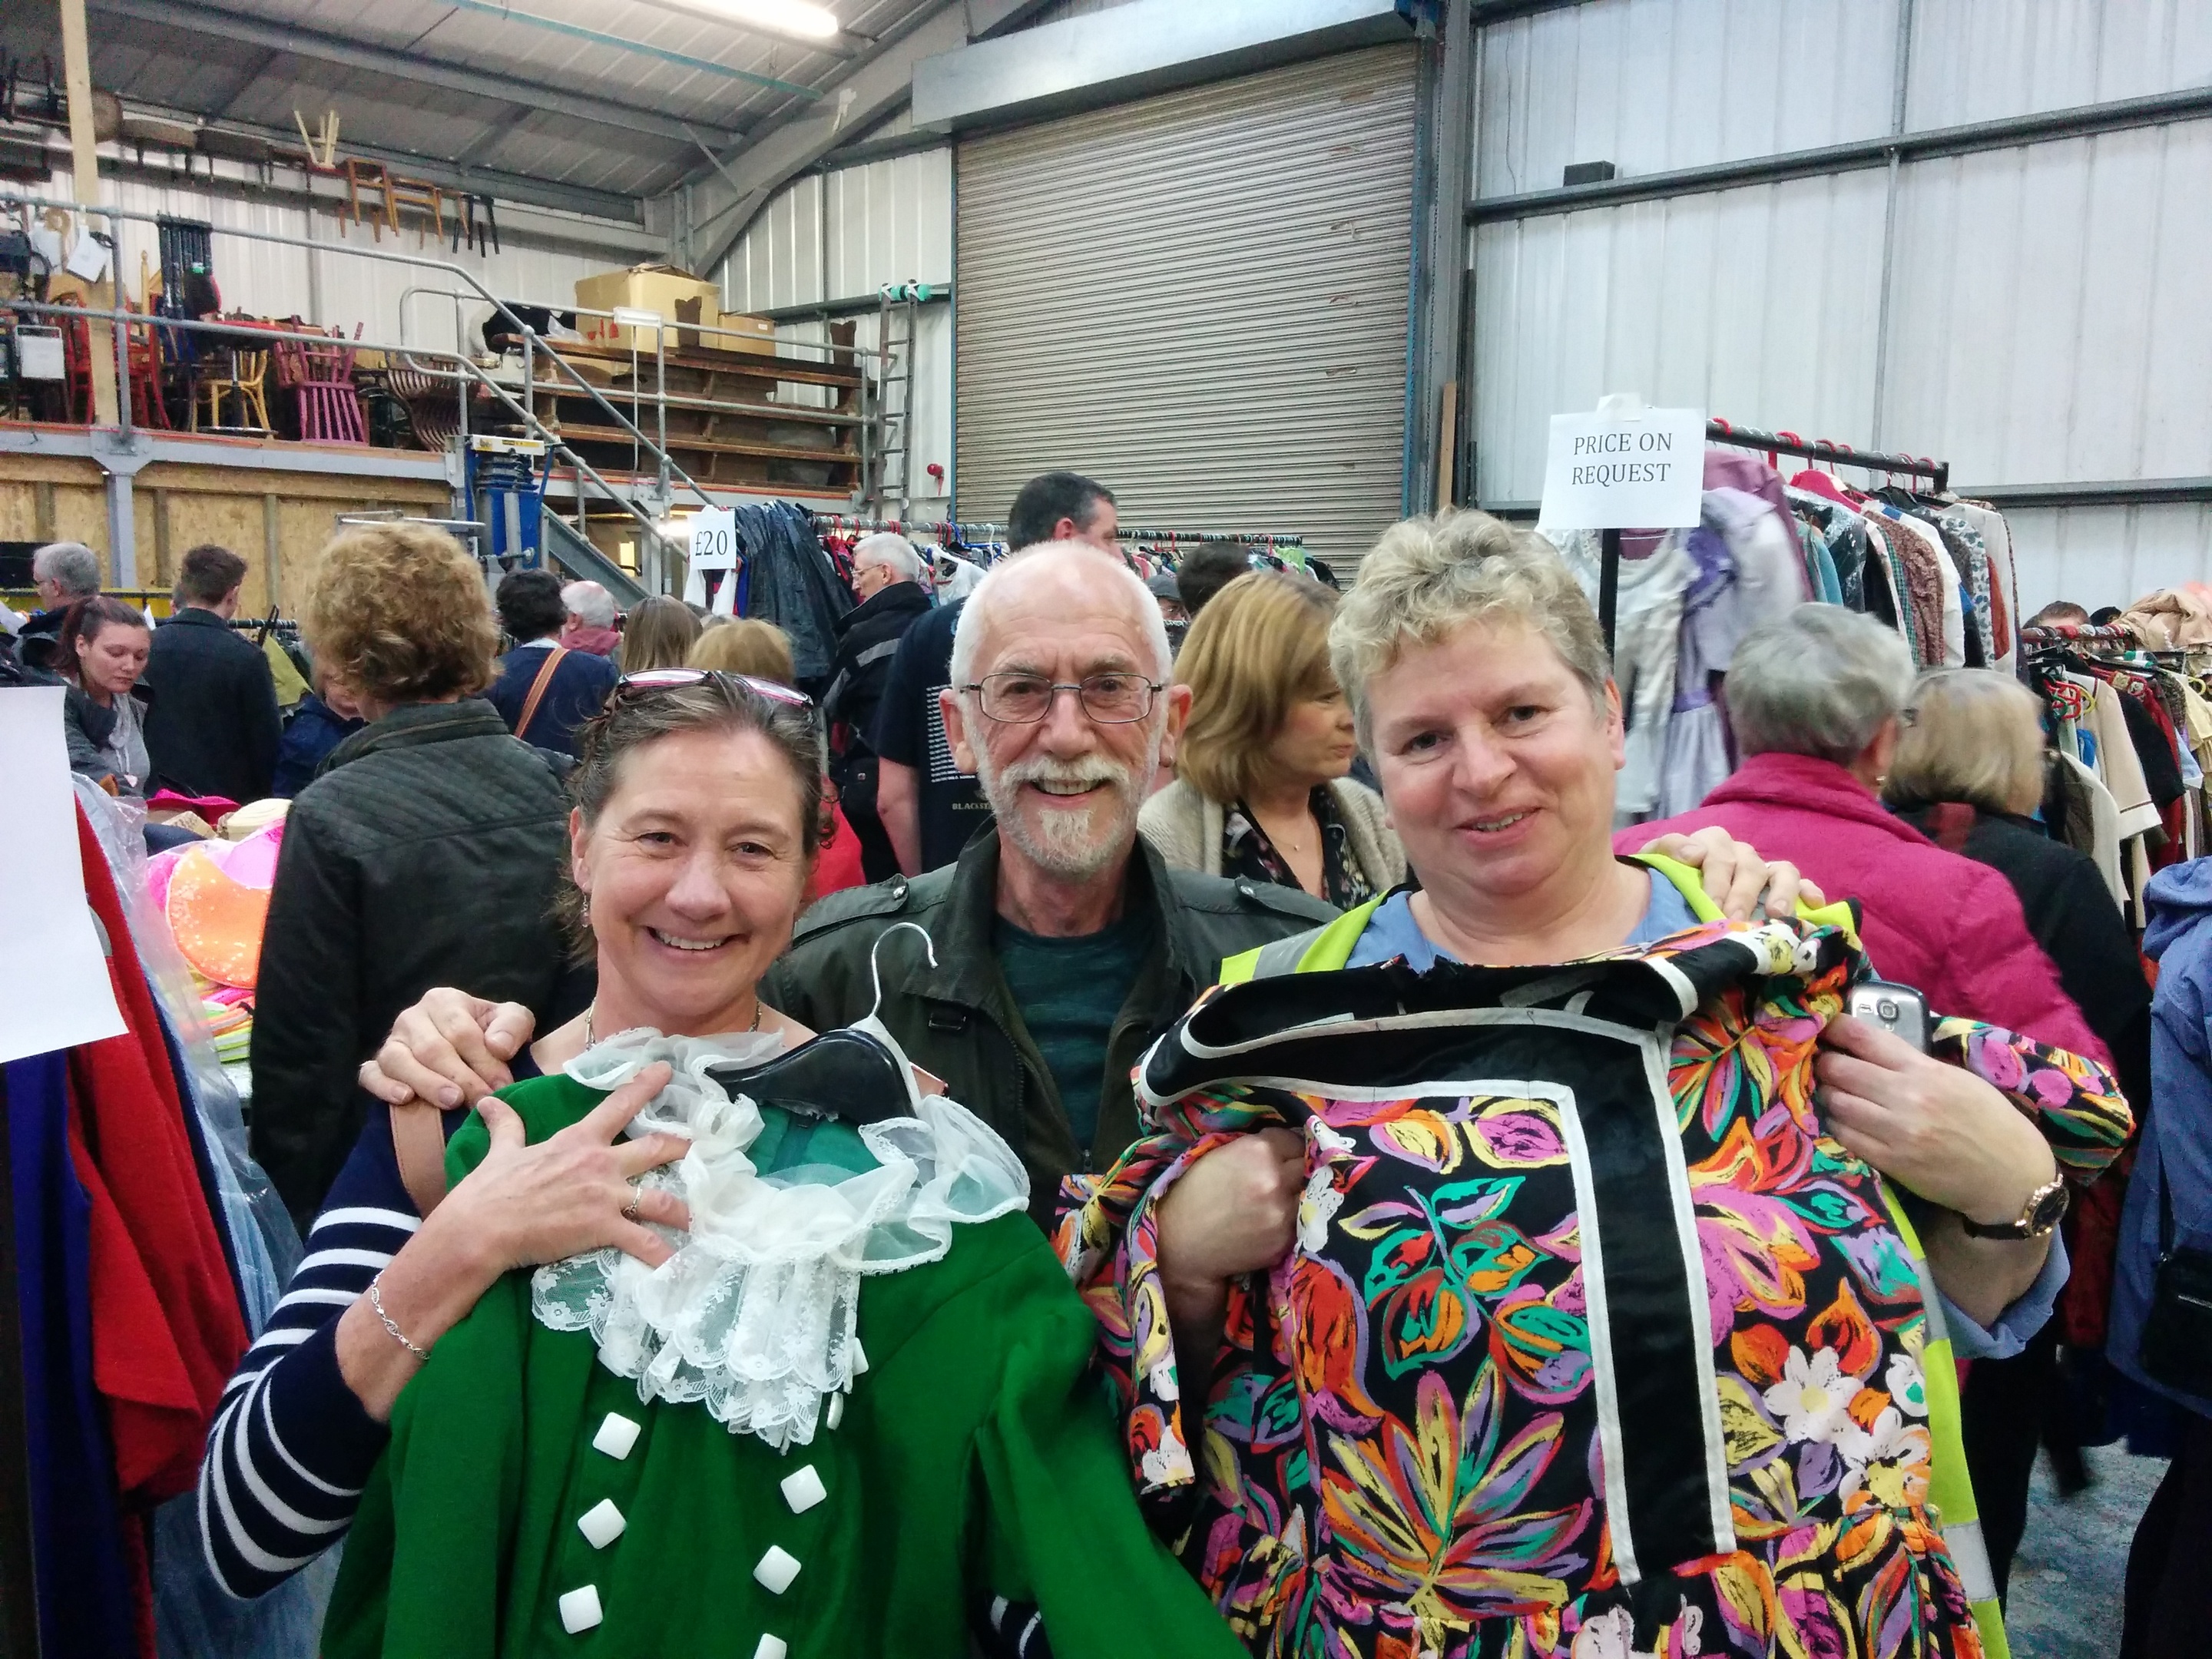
[[217, 23], [881, 85]]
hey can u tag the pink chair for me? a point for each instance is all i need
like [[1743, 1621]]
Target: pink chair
[[321, 377]]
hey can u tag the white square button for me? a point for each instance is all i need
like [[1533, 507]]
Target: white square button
[[617, 1434], [803, 1490], [602, 1524], [771, 1647], [776, 1569], [580, 1610]]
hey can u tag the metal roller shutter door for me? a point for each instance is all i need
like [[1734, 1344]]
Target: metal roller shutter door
[[1198, 299]]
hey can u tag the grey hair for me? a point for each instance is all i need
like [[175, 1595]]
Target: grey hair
[[72, 564], [1098, 565], [890, 549], [589, 603], [1821, 681], [1428, 577]]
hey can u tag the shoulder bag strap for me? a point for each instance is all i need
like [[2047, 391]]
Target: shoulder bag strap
[[418, 1141], [537, 688]]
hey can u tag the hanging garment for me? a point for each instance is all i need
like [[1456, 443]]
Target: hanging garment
[[166, 1321], [1919, 608], [2088, 798], [1973, 558], [533, 1500], [789, 580], [1937, 596], [1698, 754], [1590, 1337], [86, 1589], [2116, 761], [2005, 613], [1647, 633], [1762, 541]]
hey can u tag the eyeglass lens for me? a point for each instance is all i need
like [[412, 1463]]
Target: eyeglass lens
[[1026, 699]]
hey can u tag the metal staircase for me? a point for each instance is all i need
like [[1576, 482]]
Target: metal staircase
[[566, 546]]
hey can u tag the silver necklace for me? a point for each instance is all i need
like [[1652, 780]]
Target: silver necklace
[[594, 1009]]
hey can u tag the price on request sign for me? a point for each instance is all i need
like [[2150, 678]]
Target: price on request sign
[[1625, 468]]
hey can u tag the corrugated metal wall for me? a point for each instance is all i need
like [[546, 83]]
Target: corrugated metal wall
[[337, 287], [843, 234], [2046, 318], [1200, 299]]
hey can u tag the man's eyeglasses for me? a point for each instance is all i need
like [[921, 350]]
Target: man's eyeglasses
[[647, 681], [1018, 699]]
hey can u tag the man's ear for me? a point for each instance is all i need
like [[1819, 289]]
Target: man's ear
[[956, 729]]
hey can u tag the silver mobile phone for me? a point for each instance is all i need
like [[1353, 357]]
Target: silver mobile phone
[[1896, 1008]]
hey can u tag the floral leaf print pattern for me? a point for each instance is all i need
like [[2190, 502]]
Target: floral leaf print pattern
[[1400, 1450]]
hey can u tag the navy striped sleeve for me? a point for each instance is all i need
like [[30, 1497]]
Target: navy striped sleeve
[[291, 1447]]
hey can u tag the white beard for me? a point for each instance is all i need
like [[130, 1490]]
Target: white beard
[[1073, 846]]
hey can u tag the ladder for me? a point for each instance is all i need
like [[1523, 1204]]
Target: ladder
[[898, 322]]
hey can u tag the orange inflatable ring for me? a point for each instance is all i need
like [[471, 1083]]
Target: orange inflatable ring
[[216, 920]]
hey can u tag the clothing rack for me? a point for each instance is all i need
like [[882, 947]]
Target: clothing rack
[[1774, 445], [996, 532]]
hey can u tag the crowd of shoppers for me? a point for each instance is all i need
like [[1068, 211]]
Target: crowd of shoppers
[[1034, 845]]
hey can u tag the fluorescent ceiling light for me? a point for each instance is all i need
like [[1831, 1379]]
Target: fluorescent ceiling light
[[794, 17]]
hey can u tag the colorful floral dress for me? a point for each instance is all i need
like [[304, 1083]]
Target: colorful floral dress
[[1246, 851], [1592, 1343]]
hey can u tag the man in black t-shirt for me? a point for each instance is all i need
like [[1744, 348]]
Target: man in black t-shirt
[[929, 807]]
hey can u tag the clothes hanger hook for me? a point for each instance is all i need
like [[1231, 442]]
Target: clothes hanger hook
[[875, 968]]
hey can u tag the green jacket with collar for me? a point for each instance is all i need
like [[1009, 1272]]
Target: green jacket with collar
[[961, 1021]]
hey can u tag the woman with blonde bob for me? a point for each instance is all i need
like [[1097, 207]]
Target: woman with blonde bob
[[658, 633], [1260, 790], [1465, 1303], [749, 648]]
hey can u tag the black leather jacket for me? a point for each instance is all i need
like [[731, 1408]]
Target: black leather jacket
[[959, 1020]]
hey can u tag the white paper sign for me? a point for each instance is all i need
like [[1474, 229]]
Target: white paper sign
[[1635, 470], [87, 259], [715, 539], [51, 960]]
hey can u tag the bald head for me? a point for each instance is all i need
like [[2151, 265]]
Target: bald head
[[1060, 582]]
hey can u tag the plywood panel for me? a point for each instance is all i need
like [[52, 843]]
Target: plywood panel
[[197, 517]]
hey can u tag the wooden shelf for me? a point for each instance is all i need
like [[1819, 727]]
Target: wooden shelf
[[580, 432], [749, 365]]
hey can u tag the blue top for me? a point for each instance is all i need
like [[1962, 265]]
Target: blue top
[[2174, 1160], [1392, 933], [580, 686]]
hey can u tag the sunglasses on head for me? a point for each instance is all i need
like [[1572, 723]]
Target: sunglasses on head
[[649, 680]]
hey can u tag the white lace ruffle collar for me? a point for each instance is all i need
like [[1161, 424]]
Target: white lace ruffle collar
[[757, 1314]]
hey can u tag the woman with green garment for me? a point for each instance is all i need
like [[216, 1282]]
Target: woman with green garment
[[846, 1410]]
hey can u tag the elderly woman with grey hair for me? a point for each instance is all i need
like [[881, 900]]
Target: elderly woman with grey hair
[[1524, 1308]]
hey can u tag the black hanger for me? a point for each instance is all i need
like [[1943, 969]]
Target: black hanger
[[847, 1073]]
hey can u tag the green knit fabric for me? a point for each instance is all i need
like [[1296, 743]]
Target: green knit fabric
[[976, 1457]]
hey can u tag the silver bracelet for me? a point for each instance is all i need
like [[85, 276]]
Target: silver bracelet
[[376, 1301]]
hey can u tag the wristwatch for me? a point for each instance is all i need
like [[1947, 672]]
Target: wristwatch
[[2045, 1205]]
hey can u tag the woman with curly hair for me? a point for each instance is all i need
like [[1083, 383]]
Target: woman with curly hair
[[426, 849]]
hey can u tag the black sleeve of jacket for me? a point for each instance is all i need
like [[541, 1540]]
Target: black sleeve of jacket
[[307, 1109], [2097, 965], [260, 726]]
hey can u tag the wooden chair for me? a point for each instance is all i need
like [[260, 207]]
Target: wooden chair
[[361, 175], [420, 195], [321, 381], [248, 375]]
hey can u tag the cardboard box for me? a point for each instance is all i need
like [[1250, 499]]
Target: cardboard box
[[674, 295], [743, 333]]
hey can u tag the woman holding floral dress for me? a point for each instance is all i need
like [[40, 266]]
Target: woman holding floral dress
[[1260, 790], [1531, 1310]]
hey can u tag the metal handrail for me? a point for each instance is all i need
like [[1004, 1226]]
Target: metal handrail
[[9, 199], [122, 321]]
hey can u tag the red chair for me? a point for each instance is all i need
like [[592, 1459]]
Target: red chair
[[145, 368]]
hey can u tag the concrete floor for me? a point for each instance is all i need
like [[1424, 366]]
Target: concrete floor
[[2067, 1580]]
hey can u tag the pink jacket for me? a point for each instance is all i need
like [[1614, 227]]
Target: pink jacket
[[1943, 924]]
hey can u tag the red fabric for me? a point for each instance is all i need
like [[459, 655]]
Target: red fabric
[[211, 807], [837, 866], [1811, 479], [166, 1328], [599, 641], [1943, 924]]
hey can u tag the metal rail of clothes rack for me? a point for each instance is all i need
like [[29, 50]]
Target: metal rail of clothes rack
[[996, 532], [1773, 445]]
